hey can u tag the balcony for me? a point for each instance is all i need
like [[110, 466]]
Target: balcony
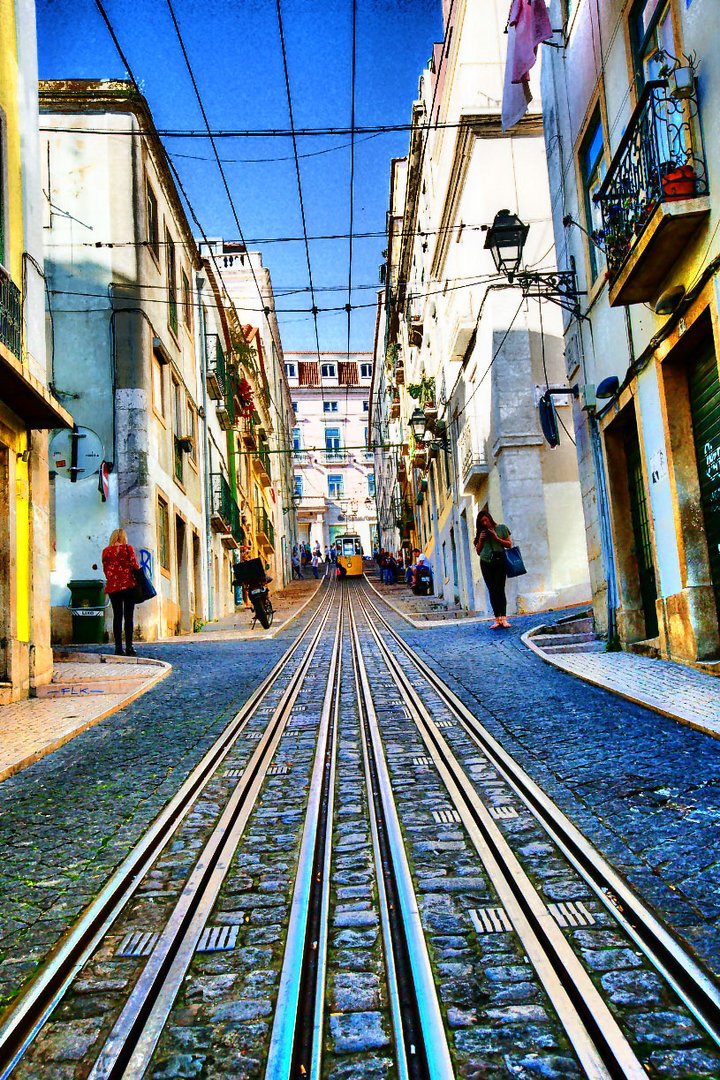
[[655, 194], [216, 375], [247, 434], [474, 466], [300, 457], [225, 513], [265, 529], [10, 316], [335, 457], [262, 466]]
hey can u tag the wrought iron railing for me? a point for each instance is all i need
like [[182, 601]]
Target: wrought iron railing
[[225, 506], [659, 159], [264, 524], [10, 316], [264, 456], [216, 372], [178, 460], [335, 457]]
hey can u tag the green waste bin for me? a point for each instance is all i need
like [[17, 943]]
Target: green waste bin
[[87, 603]]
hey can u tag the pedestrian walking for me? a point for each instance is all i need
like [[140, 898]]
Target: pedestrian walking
[[295, 560], [491, 540], [119, 565], [314, 563]]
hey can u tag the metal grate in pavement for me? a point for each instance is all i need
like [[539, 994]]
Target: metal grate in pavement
[[233, 774], [571, 913], [444, 723], [253, 735], [422, 760], [446, 817], [137, 943], [502, 813], [490, 920], [278, 770], [218, 938]]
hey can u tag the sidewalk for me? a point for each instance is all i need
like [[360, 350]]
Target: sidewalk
[[85, 689], [666, 687], [287, 602], [422, 612]]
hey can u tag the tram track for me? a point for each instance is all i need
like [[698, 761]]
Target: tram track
[[350, 667], [26, 1017], [697, 991]]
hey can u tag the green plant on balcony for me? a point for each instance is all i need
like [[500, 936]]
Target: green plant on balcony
[[424, 391]]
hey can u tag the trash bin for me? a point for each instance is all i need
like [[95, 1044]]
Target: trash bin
[[87, 603]]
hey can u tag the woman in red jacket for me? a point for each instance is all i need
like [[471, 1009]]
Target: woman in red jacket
[[119, 564]]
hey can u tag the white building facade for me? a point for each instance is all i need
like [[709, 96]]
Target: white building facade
[[334, 464], [464, 347]]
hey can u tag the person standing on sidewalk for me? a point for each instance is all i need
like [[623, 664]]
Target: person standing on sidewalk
[[315, 562], [491, 540], [119, 565]]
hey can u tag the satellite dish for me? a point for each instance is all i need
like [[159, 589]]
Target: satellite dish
[[548, 420]]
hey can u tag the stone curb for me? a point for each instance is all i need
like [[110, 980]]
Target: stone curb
[[55, 744], [647, 702], [432, 624]]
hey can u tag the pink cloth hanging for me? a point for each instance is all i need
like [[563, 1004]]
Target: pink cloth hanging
[[528, 25]]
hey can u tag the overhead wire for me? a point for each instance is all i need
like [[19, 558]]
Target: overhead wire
[[353, 61]]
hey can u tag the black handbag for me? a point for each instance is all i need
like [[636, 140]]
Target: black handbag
[[144, 588], [514, 565]]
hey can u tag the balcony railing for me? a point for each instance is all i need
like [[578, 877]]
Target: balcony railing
[[335, 457], [10, 316], [265, 528], [225, 510], [264, 458], [216, 371], [178, 460], [659, 160], [172, 311]]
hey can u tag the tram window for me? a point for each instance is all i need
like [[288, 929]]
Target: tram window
[[348, 548], [358, 547]]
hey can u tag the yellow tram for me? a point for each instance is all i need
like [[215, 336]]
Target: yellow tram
[[349, 554]]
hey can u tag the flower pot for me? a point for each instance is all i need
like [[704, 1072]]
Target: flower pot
[[679, 183]]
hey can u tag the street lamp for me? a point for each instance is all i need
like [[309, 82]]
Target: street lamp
[[505, 241], [417, 423]]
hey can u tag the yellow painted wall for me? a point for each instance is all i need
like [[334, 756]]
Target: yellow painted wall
[[14, 245]]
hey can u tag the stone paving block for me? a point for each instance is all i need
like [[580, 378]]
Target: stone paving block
[[352, 1032]]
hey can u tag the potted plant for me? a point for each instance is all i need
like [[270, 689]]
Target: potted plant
[[678, 181]]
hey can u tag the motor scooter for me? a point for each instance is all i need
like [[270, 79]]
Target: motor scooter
[[252, 575]]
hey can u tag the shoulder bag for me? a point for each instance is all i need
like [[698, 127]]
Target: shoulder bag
[[144, 588], [514, 565]]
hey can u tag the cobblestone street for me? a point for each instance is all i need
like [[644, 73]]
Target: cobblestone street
[[641, 787]]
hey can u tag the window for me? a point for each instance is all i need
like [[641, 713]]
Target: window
[[366, 371], [295, 407], [158, 386], [335, 486], [153, 231], [299, 486], [328, 371], [371, 483], [297, 440], [178, 401], [186, 300], [592, 169], [651, 36], [163, 533], [171, 282], [291, 371], [332, 438], [366, 406], [330, 406]]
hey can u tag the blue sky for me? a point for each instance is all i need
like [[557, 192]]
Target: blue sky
[[235, 52]]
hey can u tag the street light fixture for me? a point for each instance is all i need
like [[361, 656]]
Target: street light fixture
[[505, 241], [417, 423]]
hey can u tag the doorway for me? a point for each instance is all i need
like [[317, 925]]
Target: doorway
[[183, 577], [704, 389], [5, 563], [641, 531]]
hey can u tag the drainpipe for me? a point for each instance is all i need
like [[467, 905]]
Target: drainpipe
[[200, 323]]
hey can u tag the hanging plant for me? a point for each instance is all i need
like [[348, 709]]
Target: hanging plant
[[424, 391]]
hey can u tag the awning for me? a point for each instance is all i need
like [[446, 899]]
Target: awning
[[28, 398]]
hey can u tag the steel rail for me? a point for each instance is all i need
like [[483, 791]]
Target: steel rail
[[296, 1039], [420, 1036], [693, 986], [602, 1049], [24, 1019], [135, 1034]]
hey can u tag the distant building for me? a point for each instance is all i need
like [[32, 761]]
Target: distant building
[[333, 460], [466, 358], [28, 407], [631, 104]]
